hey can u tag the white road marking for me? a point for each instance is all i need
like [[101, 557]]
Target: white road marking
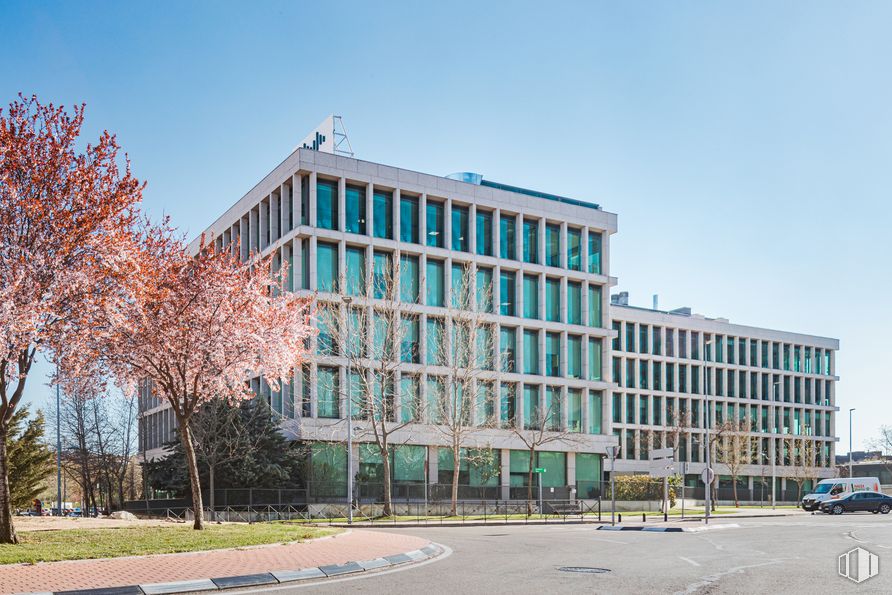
[[689, 561], [610, 540]]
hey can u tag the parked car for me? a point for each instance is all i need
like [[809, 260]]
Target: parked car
[[869, 501], [834, 489]]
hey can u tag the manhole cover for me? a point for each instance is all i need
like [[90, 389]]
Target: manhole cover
[[584, 569]]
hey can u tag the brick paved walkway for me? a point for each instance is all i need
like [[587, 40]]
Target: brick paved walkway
[[56, 576]]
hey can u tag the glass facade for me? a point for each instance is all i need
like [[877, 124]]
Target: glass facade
[[326, 204], [530, 296], [574, 249], [508, 236], [574, 302], [553, 245], [530, 241], [552, 299], [409, 219], [594, 252], [435, 223], [484, 233], [409, 281], [461, 239], [382, 205], [507, 291], [326, 267], [436, 289], [354, 219], [530, 352]]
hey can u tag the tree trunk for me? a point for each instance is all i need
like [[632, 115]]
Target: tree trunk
[[736, 500], [192, 466], [456, 468], [530, 483], [211, 496], [388, 504], [7, 530]]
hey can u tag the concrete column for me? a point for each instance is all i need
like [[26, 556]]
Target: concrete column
[[396, 214], [342, 204], [472, 228], [505, 474], [311, 219]]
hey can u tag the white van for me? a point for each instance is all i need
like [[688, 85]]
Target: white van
[[832, 489]]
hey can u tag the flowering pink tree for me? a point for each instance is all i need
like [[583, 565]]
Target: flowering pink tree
[[197, 327], [64, 217]]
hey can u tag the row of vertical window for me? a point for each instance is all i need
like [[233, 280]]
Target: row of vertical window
[[558, 305], [636, 444], [563, 352], [408, 464], [531, 406], [720, 349], [648, 410], [557, 250], [655, 375]]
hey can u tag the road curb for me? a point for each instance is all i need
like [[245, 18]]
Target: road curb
[[428, 552], [644, 529]]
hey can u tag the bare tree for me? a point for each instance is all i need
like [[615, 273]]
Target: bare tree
[[544, 427], [803, 455], [374, 335], [883, 443], [734, 449], [222, 437], [464, 357]]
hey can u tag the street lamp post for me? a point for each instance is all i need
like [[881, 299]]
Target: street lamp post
[[347, 301], [708, 448], [775, 386], [850, 441], [59, 448]]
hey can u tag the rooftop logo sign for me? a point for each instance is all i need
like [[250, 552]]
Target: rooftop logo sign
[[329, 136]]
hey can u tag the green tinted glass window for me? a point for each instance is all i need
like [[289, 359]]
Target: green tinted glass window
[[508, 237], [354, 216], [327, 267], [327, 204], [382, 203]]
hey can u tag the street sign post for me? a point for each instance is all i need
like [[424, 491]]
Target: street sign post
[[662, 465], [708, 476], [612, 453], [539, 471]]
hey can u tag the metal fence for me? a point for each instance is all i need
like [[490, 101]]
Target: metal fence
[[409, 499]]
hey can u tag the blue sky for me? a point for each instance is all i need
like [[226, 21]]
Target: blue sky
[[745, 146]]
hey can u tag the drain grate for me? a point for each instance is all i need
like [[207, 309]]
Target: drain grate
[[584, 569]]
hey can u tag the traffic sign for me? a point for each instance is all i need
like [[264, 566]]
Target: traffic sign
[[612, 451], [662, 453], [539, 470], [708, 476]]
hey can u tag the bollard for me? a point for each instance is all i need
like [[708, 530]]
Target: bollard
[[643, 517], [665, 517], [620, 515]]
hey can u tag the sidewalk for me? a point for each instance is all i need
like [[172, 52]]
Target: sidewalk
[[111, 572], [691, 516]]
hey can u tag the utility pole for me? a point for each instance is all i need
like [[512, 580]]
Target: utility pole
[[850, 441], [347, 301]]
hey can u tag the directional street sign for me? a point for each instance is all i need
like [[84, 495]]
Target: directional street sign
[[661, 453], [539, 470]]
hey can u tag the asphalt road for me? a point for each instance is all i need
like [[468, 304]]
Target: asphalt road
[[776, 555]]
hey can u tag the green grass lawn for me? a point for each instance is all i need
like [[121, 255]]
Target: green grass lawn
[[80, 544]]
